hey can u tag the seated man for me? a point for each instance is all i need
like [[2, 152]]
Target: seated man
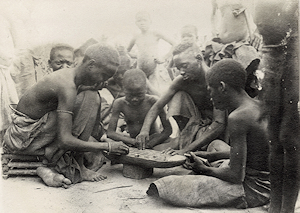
[[242, 183], [135, 106], [189, 103], [51, 120]]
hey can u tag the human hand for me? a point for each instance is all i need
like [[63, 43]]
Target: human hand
[[170, 151], [197, 164], [117, 148], [141, 140]]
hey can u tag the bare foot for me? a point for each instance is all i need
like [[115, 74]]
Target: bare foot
[[52, 178], [94, 161], [90, 175]]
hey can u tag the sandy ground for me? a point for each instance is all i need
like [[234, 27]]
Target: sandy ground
[[115, 194]]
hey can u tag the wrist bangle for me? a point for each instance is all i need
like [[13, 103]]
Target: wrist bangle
[[109, 147]]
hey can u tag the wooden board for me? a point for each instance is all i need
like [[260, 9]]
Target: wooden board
[[148, 158]]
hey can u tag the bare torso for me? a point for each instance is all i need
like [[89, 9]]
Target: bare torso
[[257, 142], [147, 45], [43, 97], [232, 26], [135, 115]]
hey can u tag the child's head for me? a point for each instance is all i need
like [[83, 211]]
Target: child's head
[[143, 21], [61, 56], [189, 34], [134, 84], [223, 78]]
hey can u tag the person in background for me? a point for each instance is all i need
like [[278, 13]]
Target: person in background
[[51, 120], [277, 22]]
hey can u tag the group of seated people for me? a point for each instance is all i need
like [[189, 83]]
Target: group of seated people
[[219, 120]]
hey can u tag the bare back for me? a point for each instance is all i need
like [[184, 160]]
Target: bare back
[[46, 94], [255, 130]]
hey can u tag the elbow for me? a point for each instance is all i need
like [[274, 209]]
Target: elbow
[[64, 141]]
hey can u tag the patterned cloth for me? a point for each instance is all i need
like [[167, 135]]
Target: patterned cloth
[[198, 122], [200, 191], [31, 137]]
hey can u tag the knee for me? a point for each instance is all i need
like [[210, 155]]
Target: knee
[[217, 145]]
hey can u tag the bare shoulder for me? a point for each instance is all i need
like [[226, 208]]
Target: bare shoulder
[[247, 114]]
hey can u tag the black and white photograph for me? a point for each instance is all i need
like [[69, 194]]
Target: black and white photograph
[[136, 106]]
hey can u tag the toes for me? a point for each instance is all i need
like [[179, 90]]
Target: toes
[[67, 181]]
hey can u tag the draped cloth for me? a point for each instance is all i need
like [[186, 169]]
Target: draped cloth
[[28, 136], [202, 191], [183, 105]]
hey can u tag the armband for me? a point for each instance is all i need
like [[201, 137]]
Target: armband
[[65, 111]]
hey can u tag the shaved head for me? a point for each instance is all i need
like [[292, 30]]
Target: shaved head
[[134, 78], [103, 54]]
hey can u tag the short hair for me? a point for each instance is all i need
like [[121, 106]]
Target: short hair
[[134, 77], [103, 54], [59, 47], [189, 26], [229, 71], [190, 48]]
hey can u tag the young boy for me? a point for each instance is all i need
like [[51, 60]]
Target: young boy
[[147, 48], [61, 56], [242, 183], [135, 106], [51, 120]]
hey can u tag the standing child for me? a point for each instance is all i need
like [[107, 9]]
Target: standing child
[[147, 46], [135, 106]]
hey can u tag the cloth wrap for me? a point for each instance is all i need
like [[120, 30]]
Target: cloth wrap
[[28, 136], [183, 105], [203, 191]]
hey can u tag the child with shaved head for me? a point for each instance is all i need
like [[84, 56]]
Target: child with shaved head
[[135, 106]]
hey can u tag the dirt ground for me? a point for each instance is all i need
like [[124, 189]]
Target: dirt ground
[[115, 194]]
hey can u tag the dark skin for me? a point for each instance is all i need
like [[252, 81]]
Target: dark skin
[[191, 81], [61, 59], [58, 91], [135, 106], [284, 122], [248, 136]]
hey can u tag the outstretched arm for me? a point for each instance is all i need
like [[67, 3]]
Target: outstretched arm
[[212, 132], [171, 42], [111, 131], [156, 109], [164, 135], [129, 48], [235, 172], [65, 140]]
